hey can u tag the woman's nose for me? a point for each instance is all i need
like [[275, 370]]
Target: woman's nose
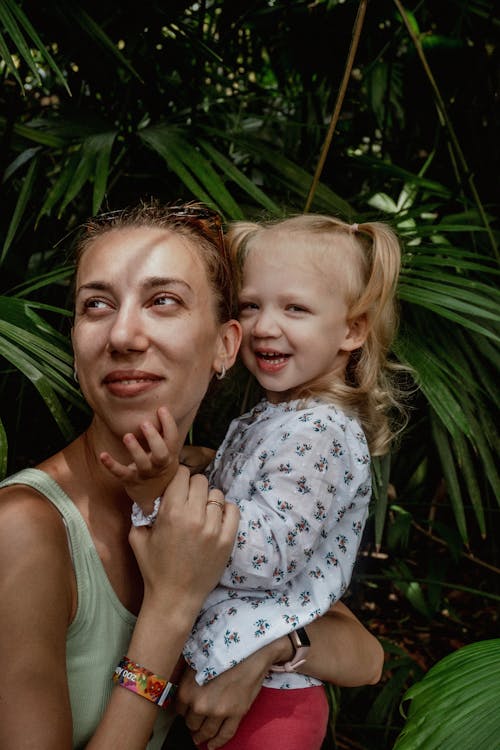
[[128, 332]]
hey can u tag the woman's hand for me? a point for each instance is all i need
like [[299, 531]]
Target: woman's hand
[[184, 553], [213, 712]]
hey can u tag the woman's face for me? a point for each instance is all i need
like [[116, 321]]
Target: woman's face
[[145, 332]]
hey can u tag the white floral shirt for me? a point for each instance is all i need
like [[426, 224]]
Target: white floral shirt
[[300, 476]]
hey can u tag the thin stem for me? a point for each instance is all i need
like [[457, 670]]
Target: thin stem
[[356, 34], [467, 555]]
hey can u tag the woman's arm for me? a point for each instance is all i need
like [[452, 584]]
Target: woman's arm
[[172, 557], [38, 600], [342, 652], [37, 606]]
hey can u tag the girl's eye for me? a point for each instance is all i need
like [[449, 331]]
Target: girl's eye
[[296, 308], [247, 306]]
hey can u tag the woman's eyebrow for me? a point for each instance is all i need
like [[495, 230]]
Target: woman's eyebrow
[[150, 283], [154, 281]]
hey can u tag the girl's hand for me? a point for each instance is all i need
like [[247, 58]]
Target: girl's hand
[[150, 471], [213, 712]]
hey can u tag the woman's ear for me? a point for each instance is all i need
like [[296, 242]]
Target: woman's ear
[[357, 331], [228, 346]]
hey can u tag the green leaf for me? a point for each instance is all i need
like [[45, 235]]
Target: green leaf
[[381, 467], [26, 24], [20, 208], [9, 62], [3, 451], [12, 28], [158, 138], [450, 473], [456, 703], [240, 179], [26, 365], [97, 33]]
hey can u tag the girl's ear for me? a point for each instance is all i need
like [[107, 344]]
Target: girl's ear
[[357, 331], [228, 346]]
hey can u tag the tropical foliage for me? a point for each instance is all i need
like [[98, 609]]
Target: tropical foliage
[[363, 110]]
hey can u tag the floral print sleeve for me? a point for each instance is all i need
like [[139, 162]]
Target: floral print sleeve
[[301, 478]]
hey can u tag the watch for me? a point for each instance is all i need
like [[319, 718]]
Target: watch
[[301, 644]]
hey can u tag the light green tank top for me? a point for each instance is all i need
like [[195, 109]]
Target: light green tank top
[[99, 635]]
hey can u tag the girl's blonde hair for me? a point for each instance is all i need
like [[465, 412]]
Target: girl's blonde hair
[[369, 264]]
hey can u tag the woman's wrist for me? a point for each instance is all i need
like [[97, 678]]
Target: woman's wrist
[[280, 651]]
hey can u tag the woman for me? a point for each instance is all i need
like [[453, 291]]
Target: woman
[[152, 326]]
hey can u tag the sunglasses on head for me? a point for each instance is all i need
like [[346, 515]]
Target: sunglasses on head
[[205, 220]]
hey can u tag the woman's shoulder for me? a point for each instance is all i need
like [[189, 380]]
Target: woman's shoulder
[[27, 516]]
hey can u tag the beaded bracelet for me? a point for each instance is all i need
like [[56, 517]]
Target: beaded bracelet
[[140, 680]]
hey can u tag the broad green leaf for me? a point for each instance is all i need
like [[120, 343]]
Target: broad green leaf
[[456, 703]]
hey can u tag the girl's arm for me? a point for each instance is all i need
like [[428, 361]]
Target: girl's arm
[[39, 600], [301, 524], [342, 652]]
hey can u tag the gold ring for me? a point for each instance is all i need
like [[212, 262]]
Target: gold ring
[[219, 503]]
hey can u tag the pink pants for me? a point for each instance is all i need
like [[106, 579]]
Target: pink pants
[[283, 720]]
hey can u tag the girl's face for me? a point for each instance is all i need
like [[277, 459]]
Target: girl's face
[[145, 331], [294, 316]]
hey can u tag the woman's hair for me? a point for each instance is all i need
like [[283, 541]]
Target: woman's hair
[[369, 264], [199, 224]]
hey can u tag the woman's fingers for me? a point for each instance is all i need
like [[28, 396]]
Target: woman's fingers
[[225, 731], [190, 542]]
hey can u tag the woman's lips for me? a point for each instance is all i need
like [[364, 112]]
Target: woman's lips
[[129, 383]]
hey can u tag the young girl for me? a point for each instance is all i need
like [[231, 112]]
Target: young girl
[[317, 310]]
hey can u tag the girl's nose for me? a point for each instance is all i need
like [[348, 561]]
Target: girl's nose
[[128, 332], [266, 325]]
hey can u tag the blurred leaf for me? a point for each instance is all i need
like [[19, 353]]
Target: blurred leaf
[[14, 19], [3, 451]]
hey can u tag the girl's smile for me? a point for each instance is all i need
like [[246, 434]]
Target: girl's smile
[[294, 317]]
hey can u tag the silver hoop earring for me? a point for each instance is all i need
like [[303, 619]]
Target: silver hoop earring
[[75, 374], [222, 373]]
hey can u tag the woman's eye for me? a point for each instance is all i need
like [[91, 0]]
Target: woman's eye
[[165, 300], [95, 304]]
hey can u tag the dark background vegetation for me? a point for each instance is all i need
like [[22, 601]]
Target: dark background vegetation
[[102, 104]]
